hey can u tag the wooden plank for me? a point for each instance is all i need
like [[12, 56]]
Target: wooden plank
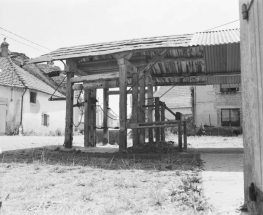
[[123, 105], [150, 103], [141, 104], [117, 92], [93, 78], [132, 126], [157, 118], [87, 115], [93, 117], [69, 112], [101, 84], [162, 119], [73, 67], [135, 138], [105, 116], [180, 144], [185, 135], [195, 74], [169, 110], [77, 87], [170, 122]]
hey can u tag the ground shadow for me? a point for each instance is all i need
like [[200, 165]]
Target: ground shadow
[[167, 161]]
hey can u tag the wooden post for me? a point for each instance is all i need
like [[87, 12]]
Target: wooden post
[[105, 116], [150, 102], [142, 109], [135, 107], [90, 118], [123, 104], [180, 144], [69, 111], [162, 119], [185, 136], [157, 118]]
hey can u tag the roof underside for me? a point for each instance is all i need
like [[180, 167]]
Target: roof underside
[[191, 55]]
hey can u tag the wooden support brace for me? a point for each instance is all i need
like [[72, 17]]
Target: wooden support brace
[[105, 116], [150, 104], [123, 104], [157, 118], [180, 146], [141, 109], [69, 111], [162, 119], [185, 136], [135, 83]]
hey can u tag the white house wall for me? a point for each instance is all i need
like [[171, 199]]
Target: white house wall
[[32, 114], [11, 97]]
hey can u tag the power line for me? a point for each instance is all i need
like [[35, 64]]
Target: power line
[[222, 25], [23, 43], [25, 39]]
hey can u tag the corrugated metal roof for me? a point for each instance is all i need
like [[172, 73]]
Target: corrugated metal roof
[[235, 79], [215, 37]]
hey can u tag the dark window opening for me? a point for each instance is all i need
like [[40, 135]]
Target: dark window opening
[[229, 88], [33, 97], [230, 117]]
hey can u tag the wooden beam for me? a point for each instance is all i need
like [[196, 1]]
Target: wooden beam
[[69, 111], [180, 144], [135, 85], [105, 116], [90, 118], [123, 104], [93, 78], [117, 92], [157, 118], [73, 67], [101, 84], [77, 87], [185, 135], [162, 119], [141, 104], [170, 122], [133, 126], [195, 74], [149, 103]]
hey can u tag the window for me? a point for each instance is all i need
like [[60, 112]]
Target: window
[[45, 119], [230, 117], [229, 88], [33, 97]]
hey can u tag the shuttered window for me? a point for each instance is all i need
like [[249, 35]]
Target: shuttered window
[[230, 117], [45, 120]]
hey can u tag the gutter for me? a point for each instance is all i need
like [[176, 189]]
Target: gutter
[[21, 116]]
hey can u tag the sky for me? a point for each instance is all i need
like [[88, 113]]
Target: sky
[[55, 24]]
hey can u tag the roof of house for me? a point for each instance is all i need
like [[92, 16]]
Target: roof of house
[[12, 75], [176, 97], [174, 41]]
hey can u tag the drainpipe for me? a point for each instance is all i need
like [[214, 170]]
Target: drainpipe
[[20, 129]]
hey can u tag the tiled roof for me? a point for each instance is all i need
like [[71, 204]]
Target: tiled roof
[[177, 97], [216, 37], [186, 40], [13, 75]]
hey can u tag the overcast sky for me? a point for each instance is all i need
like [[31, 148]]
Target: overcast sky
[[60, 23]]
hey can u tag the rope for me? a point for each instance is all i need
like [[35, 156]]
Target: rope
[[167, 91], [79, 109], [106, 113], [57, 87]]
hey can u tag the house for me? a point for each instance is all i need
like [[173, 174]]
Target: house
[[24, 98], [177, 98], [218, 105]]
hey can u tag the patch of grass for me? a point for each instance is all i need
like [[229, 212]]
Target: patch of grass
[[42, 181]]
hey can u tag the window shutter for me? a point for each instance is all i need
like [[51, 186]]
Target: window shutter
[[47, 120], [42, 119]]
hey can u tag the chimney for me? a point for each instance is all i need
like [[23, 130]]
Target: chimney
[[4, 48]]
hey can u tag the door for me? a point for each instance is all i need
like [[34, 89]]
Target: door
[[2, 118]]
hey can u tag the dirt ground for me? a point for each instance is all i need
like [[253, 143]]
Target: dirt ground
[[222, 157]]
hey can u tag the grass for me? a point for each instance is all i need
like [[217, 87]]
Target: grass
[[41, 181]]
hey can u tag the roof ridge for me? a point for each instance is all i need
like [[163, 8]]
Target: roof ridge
[[12, 64]]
